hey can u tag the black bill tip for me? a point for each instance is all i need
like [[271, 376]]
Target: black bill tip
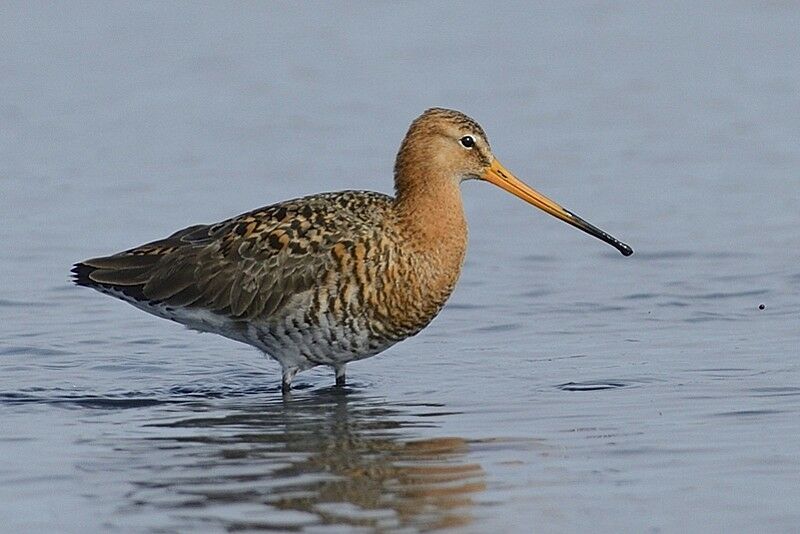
[[592, 230]]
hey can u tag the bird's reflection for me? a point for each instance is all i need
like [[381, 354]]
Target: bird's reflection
[[326, 458]]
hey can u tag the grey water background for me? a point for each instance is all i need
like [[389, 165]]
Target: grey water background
[[564, 388]]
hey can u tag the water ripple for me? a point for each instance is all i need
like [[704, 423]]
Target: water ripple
[[776, 391], [7, 303], [727, 295], [33, 351], [591, 385], [85, 401], [748, 413]]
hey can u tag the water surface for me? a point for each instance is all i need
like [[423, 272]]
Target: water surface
[[563, 386]]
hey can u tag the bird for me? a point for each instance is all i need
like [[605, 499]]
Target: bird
[[330, 278]]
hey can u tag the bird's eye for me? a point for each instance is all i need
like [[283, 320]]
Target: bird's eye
[[467, 141]]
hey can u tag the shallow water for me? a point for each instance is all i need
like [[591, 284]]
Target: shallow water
[[563, 388]]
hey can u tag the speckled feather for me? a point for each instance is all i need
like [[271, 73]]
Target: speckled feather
[[250, 267]]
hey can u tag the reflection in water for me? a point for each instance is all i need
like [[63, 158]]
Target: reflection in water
[[332, 458]]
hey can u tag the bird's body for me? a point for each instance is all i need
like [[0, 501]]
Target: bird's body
[[324, 279]]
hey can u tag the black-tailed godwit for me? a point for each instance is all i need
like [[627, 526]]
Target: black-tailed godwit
[[331, 278]]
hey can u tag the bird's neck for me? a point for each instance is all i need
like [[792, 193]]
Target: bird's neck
[[431, 215]]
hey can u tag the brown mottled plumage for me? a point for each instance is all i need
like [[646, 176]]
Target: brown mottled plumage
[[329, 278]]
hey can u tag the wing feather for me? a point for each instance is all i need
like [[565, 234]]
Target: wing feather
[[249, 266]]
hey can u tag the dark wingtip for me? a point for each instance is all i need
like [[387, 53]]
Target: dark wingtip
[[625, 249], [80, 274]]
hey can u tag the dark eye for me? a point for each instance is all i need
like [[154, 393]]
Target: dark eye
[[467, 141]]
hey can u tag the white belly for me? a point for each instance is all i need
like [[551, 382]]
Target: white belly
[[290, 340]]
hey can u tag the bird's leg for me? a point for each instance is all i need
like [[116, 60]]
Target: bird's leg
[[340, 375], [286, 382]]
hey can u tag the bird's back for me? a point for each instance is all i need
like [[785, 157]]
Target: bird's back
[[248, 267]]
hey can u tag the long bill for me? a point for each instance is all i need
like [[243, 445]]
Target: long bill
[[501, 177]]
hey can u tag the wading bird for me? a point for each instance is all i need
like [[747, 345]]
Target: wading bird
[[330, 278]]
